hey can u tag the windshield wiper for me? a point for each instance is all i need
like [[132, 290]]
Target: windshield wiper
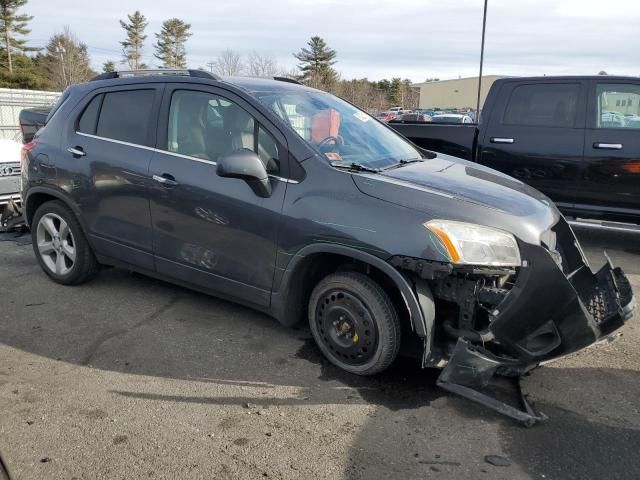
[[402, 163], [355, 166]]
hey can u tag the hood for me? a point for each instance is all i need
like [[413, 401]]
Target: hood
[[451, 188]]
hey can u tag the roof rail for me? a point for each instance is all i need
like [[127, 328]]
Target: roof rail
[[158, 71], [288, 80]]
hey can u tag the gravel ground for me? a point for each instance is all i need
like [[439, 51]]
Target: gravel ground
[[128, 377]]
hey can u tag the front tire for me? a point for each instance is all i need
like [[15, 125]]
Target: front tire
[[60, 246], [354, 323]]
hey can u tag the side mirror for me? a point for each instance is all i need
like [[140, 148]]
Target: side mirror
[[245, 164]]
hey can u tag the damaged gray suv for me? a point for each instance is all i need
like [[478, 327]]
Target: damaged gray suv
[[296, 203]]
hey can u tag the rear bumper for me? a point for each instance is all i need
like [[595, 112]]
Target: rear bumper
[[5, 199], [9, 188]]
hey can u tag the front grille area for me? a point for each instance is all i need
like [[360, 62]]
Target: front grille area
[[600, 305], [9, 169]]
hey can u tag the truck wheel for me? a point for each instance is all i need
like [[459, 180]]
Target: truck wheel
[[354, 323], [60, 245]]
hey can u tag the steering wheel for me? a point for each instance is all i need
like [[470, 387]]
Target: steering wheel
[[326, 142]]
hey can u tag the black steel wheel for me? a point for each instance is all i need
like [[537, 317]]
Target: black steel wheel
[[354, 323]]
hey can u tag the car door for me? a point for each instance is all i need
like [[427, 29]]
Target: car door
[[536, 134], [610, 184], [111, 139], [209, 231]]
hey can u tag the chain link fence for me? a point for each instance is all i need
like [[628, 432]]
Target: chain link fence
[[14, 100]]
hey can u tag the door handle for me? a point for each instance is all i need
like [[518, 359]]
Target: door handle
[[608, 146], [502, 140], [165, 180], [76, 151]]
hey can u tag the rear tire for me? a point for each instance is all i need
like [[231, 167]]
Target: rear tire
[[354, 323], [60, 245]]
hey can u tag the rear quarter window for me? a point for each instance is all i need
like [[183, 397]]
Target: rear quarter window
[[89, 117], [125, 116]]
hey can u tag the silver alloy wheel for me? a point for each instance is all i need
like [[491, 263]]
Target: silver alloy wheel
[[56, 244]]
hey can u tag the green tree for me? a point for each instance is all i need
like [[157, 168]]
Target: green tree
[[108, 66], [66, 61], [25, 74], [395, 92], [13, 25], [316, 64], [170, 48], [133, 44]]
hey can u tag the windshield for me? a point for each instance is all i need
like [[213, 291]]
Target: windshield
[[339, 130]]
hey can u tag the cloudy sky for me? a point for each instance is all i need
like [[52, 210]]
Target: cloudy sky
[[415, 39]]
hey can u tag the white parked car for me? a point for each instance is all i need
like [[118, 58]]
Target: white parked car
[[9, 180]]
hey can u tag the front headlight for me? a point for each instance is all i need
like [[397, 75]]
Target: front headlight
[[471, 244]]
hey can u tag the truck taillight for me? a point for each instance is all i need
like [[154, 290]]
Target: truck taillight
[[26, 148]]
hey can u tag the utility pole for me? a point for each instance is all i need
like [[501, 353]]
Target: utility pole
[[484, 28], [61, 52], [211, 65]]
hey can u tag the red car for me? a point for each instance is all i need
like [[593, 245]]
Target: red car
[[386, 116]]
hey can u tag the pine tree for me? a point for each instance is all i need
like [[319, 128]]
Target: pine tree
[[317, 63], [108, 66], [11, 25], [170, 49], [132, 45], [395, 92]]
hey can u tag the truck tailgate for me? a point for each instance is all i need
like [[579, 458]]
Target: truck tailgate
[[455, 140]]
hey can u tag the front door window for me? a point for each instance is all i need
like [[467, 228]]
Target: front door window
[[206, 126]]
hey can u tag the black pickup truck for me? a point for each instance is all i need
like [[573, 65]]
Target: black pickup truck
[[576, 139]]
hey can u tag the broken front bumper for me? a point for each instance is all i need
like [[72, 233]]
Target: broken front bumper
[[558, 305]]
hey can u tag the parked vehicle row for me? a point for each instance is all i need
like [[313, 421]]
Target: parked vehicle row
[[426, 115], [289, 200]]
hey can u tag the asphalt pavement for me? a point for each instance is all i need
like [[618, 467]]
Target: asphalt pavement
[[130, 377]]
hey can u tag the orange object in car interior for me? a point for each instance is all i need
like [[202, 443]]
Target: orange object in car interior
[[325, 124]]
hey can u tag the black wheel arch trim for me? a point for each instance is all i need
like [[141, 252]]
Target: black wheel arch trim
[[419, 322], [58, 194], [54, 192]]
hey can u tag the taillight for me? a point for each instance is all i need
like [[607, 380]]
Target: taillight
[[26, 148]]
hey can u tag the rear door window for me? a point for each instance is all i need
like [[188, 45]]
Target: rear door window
[[543, 105], [125, 116]]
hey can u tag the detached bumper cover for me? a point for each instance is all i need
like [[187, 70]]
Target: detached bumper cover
[[560, 306], [557, 306]]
